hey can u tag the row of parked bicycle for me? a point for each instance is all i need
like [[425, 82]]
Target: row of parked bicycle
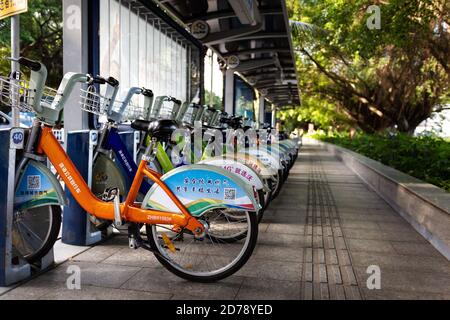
[[195, 204]]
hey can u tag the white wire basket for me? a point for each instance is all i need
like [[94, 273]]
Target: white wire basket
[[166, 110], [93, 102], [18, 94], [133, 112], [187, 117]]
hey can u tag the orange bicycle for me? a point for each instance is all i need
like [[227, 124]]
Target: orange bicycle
[[183, 212]]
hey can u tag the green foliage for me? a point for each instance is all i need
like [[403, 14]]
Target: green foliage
[[384, 77], [322, 114], [217, 101], [426, 158], [40, 38]]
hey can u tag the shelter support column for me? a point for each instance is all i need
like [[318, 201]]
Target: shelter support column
[[229, 91]]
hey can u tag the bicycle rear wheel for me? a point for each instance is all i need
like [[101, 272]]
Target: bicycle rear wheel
[[209, 259], [35, 231]]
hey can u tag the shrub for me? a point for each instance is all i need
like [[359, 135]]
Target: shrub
[[426, 158]]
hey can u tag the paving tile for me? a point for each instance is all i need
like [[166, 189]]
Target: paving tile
[[348, 276], [339, 243], [286, 228], [401, 262], [407, 234], [416, 249], [32, 290], [102, 275], [334, 274], [289, 240], [309, 255], [328, 243], [97, 253], [157, 281], [352, 293], [268, 269], [269, 289], [343, 257], [337, 231], [331, 256], [411, 281], [371, 217], [366, 211], [348, 223], [307, 292], [318, 256], [327, 231], [320, 291], [317, 241], [336, 292], [277, 204], [308, 272], [134, 258], [370, 245], [100, 293], [319, 273], [279, 253]]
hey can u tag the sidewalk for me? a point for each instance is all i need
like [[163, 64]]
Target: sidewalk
[[316, 242]]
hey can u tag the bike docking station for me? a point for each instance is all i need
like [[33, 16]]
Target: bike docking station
[[77, 228], [131, 139], [13, 267]]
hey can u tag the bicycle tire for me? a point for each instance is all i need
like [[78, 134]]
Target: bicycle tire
[[279, 185], [238, 264], [54, 225], [264, 205]]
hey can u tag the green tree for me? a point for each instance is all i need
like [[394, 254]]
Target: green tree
[[324, 115], [393, 76], [40, 38], [217, 101]]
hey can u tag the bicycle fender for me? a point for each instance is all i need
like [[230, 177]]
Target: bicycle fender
[[38, 187], [253, 162], [276, 152], [265, 157], [201, 188], [245, 173]]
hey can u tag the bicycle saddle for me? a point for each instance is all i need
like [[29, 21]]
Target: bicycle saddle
[[160, 129]]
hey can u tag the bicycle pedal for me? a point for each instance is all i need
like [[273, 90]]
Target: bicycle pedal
[[168, 243]]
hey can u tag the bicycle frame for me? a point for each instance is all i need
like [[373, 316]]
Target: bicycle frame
[[129, 209]]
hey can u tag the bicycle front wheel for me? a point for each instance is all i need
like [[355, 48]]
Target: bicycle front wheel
[[208, 259]]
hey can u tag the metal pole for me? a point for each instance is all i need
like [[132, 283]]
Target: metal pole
[[15, 53], [211, 100], [274, 116]]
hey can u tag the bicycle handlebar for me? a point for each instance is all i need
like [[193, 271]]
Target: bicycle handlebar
[[100, 80], [30, 64], [147, 92], [174, 100]]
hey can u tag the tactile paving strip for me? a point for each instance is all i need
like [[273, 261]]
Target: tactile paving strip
[[328, 272]]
